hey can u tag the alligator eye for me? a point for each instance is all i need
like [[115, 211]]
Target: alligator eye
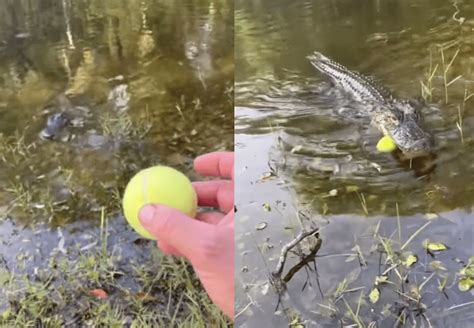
[[394, 120]]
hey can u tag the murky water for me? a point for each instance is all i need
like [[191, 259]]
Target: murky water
[[149, 82], [306, 158], [143, 82]]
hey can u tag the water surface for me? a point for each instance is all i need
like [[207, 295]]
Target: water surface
[[307, 158], [146, 83], [150, 81]]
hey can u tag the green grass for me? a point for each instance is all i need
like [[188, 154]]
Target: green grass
[[399, 278], [15, 149], [447, 76], [121, 126], [160, 292]]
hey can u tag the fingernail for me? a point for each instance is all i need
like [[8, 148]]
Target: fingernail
[[146, 214]]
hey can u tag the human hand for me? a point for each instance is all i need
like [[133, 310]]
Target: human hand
[[207, 241]]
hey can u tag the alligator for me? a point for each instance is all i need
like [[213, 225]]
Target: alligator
[[55, 125], [395, 117], [62, 118]]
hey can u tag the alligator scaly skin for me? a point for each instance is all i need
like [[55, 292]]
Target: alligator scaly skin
[[361, 87], [397, 118]]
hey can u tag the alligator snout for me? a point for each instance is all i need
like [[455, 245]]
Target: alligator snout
[[54, 125], [412, 140], [419, 147]]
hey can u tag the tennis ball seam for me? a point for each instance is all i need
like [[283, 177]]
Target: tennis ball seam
[[137, 194]]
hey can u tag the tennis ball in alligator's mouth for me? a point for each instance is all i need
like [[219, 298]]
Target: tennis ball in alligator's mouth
[[158, 185], [386, 145]]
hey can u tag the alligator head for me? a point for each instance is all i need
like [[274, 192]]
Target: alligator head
[[411, 139], [409, 135], [401, 121], [55, 125]]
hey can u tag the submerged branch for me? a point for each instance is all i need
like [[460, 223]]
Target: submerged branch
[[276, 275], [305, 260]]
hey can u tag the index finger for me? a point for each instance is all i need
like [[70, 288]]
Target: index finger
[[216, 164]]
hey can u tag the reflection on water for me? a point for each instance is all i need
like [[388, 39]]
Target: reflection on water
[[141, 82], [305, 148], [329, 140], [90, 93]]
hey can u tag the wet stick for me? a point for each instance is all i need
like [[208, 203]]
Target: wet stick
[[284, 251]]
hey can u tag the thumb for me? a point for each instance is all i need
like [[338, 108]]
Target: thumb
[[176, 229]]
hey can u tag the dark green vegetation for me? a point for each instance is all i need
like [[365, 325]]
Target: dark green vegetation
[[395, 243], [142, 82]]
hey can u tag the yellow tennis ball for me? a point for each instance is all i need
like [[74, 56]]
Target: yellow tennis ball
[[386, 144], [158, 185]]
